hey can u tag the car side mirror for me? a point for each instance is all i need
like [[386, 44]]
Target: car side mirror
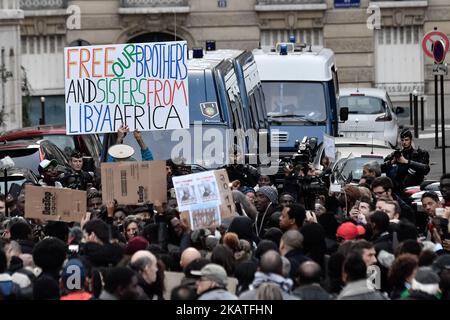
[[399, 110], [343, 114]]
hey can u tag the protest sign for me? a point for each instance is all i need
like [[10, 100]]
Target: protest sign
[[204, 198], [142, 85], [134, 182], [54, 204]]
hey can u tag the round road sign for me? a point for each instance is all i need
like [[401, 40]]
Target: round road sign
[[429, 47]]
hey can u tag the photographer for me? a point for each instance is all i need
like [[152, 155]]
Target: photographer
[[76, 178], [406, 167], [303, 182], [240, 174]]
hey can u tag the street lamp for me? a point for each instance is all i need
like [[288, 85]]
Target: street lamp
[[42, 120]]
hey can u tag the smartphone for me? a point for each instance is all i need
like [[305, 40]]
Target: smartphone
[[14, 190]]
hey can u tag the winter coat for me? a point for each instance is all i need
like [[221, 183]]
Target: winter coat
[[359, 290], [217, 294], [260, 278]]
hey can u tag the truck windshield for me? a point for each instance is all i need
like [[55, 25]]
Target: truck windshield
[[295, 101]]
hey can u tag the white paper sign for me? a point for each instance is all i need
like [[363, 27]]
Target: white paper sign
[[329, 147], [142, 85], [196, 189]]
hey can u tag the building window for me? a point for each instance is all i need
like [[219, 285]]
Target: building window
[[222, 3], [309, 36], [42, 44]]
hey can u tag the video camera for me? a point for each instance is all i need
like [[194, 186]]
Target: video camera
[[306, 150]]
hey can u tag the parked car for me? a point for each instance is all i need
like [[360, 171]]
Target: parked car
[[89, 144], [351, 169], [28, 154], [370, 114], [356, 147]]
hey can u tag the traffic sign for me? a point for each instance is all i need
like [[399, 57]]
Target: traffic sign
[[440, 69], [435, 44]]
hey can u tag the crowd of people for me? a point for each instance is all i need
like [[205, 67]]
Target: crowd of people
[[286, 241]]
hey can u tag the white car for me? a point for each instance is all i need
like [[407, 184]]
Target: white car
[[354, 147], [370, 114]]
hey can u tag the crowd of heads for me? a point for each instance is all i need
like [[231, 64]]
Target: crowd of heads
[[285, 241]]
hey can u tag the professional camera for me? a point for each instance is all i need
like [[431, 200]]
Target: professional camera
[[306, 150]]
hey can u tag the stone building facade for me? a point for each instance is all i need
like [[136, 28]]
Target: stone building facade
[[377, 43]]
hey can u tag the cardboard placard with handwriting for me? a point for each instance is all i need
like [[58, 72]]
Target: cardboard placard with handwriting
[[199, 211], [54, 204], [134, 182]]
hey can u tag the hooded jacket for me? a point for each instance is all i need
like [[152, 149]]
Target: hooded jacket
[[242, 226]]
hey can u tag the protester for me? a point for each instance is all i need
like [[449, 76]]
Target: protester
[[308, 277], [122, 152], [270, 271], [76, 178], [355, 278], [212, 283], [49, 174], [120, 284]]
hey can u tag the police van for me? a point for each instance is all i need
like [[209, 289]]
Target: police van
[[301, 89], [254, 107], [216, 112]]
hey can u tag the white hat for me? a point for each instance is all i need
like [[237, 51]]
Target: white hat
[[121, 151], [46, 163]]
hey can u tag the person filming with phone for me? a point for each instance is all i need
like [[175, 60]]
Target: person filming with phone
[[407, 166]]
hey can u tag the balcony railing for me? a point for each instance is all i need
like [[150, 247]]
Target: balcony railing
[[43, 4], [153, 3], [291, 2], [9, 4], [401, 88]]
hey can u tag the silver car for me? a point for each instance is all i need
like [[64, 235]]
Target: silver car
[[370, 114]]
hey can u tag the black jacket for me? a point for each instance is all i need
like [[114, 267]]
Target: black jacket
[[410, 174], [311, 292], [296, 258], [246, 174]]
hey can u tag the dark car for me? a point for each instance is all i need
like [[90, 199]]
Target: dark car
[[16, 176], [28, 154], [89, 145]]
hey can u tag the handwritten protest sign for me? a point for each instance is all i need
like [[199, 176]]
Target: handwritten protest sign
[[144, 86], [54, 204], [204, 198], [134, 182]]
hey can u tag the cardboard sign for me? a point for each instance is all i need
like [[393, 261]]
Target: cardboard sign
[[204, 207], [134, 182], [54, 204], [142, 85]]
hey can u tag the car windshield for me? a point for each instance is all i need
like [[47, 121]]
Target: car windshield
[[295, 101], [23, 158], [362, 104], [65, 143], [354, 166]]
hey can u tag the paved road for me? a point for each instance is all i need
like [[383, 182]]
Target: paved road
[[426, 141]]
